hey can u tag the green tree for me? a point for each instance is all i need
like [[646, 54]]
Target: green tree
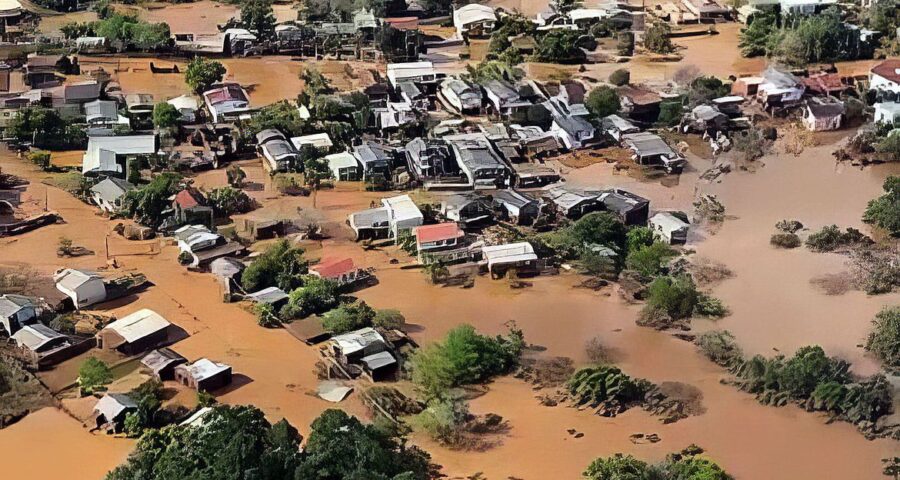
[[656, 38], [705, 89], [884, 211], [258, 17], [148, 205], [603, 101], [621, 467], [389, 318], [884, 341], [560, 46], [464, 357], [673, 296], [93, 375], [807, 368], [281, 265], [625, 45], [202, 73], [348, 317], [639, 237], [29, 120], [494, 70], [649, 261], [227, 201], [755, 38], [315, 167], [620, 77], [314, 297], [165, 115]]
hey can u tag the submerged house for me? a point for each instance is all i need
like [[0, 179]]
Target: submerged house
[[639, 103], [366, 349], [396, 214], [376, 159], [134, 333], [279, 154], [84, 288], [651, 149], [44, 346], [501, 258], [204, 375], [111, 410], [108, 193], [162, 363], [107, 154], [478, 161], [822, 114], [572, 202], [344, 167], [631, 209], [516, 207], [673, 228], [339, 270], [461, 95], [504, 99], [16, 311], [779, 89], [441, 243], [226, 101], [615, 127], [467, 208]]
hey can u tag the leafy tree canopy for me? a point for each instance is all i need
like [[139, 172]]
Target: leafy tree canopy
[[202, 73]]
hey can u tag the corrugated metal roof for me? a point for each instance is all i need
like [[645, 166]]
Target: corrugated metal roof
[[138, 325]]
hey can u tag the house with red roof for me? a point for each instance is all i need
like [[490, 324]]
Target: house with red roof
[[226, 101], [441, 243], [341, 270], [189, 207], [885, 77]]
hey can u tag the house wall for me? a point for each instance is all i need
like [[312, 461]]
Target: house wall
[[880, 83]]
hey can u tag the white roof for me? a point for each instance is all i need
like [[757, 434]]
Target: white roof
[[101, 151], [10, 5], [728, 99], [71, 279], [138, 325], [399, 71], [112, 404], [185, 102], [9, 308], [472, 13], [509, 253], [196, 419], [357, 340], [205, 368], [341, 160], [588, 13], [402, 207], [668, 222], [33, 337], [318, 140]]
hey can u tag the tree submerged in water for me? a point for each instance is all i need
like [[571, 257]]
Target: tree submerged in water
[[689, 464]]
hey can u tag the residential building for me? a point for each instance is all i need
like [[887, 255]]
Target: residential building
[[651, 149], [204, 375], [461, 96], [706, 9], [344, 167], [887, 112], [189, 207], [639, 103], [572, 202], [110, 411], [397, 214], [376, 159], [615, 127], [421, 73], [478, 161], [43, 346], [504, 99], [353, 346], [82, 287], [16, 311], [270, 295], [106, 154], [194, 238], [279, 154], [467, 208], [779, 89], [226, 101], [137, 332], [516, 207], [162, 363], [109, 192], [440, 243], [430, 159], [320, 141], [885, 77], [501, 258], [187, 106], [631, 209], [822, 114], [672, 227], [474, 21], [104, 113], [81, 92], [139, 103], [340, 270], [573, 131]]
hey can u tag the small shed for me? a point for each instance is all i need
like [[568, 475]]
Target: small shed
[[38, 338], [204, 375], [379, 366], [134, 333], [672, 227], [110, 411], [108, 193], [270, 295], [344, 167], [353, 346], [84, 288], [162, 363], [516, 207]]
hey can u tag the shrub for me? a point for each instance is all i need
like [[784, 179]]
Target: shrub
[[670, 113], [625, 45], [620, 77], [884, 341], [389, 319], [884, 211], [603, 101], [348, 318], [710, 307], [607, 385], [789, 226], [785, 240], [649, 260], [720, 347], [619, 466], [149, 204], [202, 73], [40, 158], [444, 420], [639, 237], [226, 201], [316, 296], [674, 296], [464, 357], [266, 316], [281, 265], [165, 115], [560, 46], [831, 238], [656, 38], [93, 374]]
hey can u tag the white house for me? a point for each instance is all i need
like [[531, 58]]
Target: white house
[[474, 20], [509, 255], [319, 140], [416, 72], [885, 76], [822, 114], [187, 106], [194, 238], [344, 167], [887, 112], [108, 193], [226, 101], [84, 288], [103, 152], [16, 311], [670, 227], [395, 214]]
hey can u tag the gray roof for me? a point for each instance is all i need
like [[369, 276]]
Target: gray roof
[[410, 89], [513, 198], [88, 90], [474, 150], [574, 125], [162, 358], [269, 134], [268, 295], [621, 201], [378, 360], [114, 404], [618, 123], [646, 144], [10, 304], [821, 108], [371, 217], [112, 188], [101, 110], [371, 152], [33, 337], [501, 89]]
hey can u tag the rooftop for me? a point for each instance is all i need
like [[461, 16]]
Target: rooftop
[[437, 232], [333, 267], [138, 325]]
